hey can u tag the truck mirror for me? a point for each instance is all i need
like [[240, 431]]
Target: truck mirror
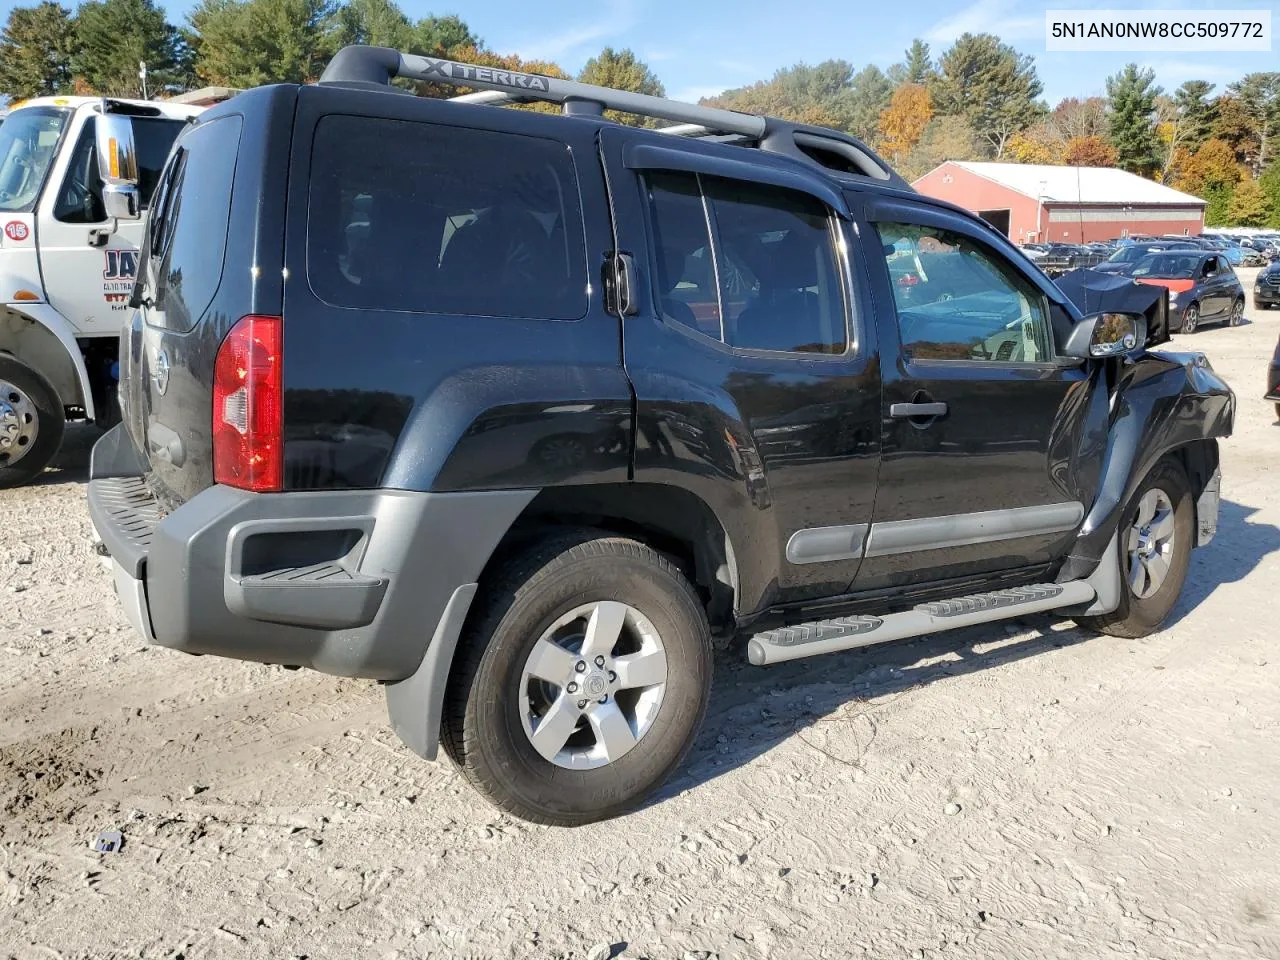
[[1107, 335], [118, 166]]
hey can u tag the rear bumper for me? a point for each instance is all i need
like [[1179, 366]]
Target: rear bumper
[[352, 582]]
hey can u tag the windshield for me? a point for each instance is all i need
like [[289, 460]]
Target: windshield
[[28, 139], [1129, 254], [1167, 266]]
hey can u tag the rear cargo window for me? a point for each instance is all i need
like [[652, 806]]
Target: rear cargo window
[[190, 229], [433, 219]]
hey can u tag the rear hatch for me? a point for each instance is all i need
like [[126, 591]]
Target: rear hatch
[[199, 274]]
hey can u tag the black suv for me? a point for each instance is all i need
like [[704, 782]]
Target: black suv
[[516, 411]]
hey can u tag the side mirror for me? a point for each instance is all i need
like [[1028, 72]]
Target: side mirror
[[118, 166], [1107, 335]]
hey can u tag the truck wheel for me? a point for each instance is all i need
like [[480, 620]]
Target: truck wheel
[[1156, 537], [31, 422], [582, 680]]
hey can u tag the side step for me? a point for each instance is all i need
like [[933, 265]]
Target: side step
[[846, 633]]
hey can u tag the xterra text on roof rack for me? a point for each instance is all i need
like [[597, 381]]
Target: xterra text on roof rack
[[514, 411]]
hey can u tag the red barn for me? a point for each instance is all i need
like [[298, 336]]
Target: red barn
[[1038, 203]]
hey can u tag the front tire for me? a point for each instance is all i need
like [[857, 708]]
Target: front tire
[[31, 422], [1157, 533], [582, 680]]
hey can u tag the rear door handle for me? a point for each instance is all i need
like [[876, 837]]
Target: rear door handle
[[910, 411]]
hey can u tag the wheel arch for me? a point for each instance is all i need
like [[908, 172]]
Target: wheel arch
[[42, 338], [670, 519]]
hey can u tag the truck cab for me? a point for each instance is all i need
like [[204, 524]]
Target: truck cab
[[66, 266]]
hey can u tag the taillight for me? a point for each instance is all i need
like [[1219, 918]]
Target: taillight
[[248, 414]]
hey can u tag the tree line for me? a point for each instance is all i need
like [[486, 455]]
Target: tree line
[[978, 100]]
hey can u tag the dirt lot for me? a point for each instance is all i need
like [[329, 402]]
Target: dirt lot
[[1115, 797]]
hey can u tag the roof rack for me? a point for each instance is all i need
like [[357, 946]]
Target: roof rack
[[833, 150]]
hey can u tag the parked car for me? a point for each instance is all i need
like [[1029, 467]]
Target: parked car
[[815, 410], [1266, 287], [1202, 287], [1061, 257], [1125, 257]]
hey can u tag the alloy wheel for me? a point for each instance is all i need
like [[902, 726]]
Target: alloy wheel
[[1190, 319], [592, 685], [1150, 543], [1237, 313]]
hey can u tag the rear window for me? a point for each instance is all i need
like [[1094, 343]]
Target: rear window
[[426, 218]]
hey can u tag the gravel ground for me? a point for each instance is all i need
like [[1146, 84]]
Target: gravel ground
[[1014, 791]]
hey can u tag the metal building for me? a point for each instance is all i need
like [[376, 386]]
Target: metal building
[[1047, 204]]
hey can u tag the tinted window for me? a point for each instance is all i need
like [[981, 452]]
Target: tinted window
[[958, 301], [684, 267], [189, 231], [80, 197], [444, 220], [773, 282]]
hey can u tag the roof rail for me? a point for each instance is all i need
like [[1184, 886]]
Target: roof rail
[[359, 65]]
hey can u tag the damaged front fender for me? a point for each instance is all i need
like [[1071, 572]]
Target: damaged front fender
[[1161, 403]]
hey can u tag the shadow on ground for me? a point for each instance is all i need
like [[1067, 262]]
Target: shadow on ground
[[71, 463], [756, 708]]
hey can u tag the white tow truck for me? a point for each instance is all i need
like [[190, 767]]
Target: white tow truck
[[68, 257]]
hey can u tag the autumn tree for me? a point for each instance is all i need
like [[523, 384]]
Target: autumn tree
[[1132, 99], [114, 36], [903, 122], [991, 85], [1036, 144], [622, 70], [1073, 117], [1089, 152], [1213, 165], [35, 51], [1248, 205], [1232, 125]]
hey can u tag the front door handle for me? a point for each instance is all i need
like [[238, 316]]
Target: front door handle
[[912, 411]]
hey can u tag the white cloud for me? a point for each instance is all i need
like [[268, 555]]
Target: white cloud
[[658, 56], [988, 16], [616, 18]]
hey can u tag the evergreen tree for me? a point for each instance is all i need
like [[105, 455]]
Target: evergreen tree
[[1132, 94], [858, 109], [442, 35], [1195, 112], [114, 36], [1217, 211], [991, 85], [1248, 206], [247, 43], [918, 66], [622, 70], [1270, 184], [35, 51]]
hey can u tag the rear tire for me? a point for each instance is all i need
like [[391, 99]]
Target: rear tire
[[31, 421], [1190, 320], [1237, 313], [1145, 603], [510, 687]]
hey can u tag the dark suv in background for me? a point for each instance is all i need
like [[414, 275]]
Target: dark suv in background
[[515, 411]]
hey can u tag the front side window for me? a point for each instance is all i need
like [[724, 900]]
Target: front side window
[[80, 196], [28, 140], [419, 217], [769, 281], [958, 301]]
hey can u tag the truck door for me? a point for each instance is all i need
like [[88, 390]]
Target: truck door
[[88, 273], [752, 356]]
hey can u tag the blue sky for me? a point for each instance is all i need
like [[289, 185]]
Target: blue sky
[[699, 47]]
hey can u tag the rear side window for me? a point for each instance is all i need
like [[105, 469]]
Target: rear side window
[[189, 225], [426, 218], [769, 280]]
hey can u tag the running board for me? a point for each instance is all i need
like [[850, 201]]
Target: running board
[[846, 633]]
